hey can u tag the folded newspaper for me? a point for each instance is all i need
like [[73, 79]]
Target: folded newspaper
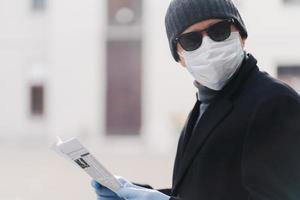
[[73, 150]]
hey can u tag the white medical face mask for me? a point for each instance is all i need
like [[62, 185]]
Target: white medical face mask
[[213, 63]]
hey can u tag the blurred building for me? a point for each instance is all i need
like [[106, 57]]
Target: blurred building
[[93, 69], [102, 71]]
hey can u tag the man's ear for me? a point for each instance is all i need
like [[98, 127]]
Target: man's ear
[[243, 42], [242, 39]]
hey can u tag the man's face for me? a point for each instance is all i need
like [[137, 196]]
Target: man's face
[[199, 27]]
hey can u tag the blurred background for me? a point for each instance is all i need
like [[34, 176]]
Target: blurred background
[[101, 71]]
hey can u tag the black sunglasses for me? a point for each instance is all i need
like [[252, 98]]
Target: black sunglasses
[[218, 32]]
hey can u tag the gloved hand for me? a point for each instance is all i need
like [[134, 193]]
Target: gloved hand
[[104, 193], [129, 191]]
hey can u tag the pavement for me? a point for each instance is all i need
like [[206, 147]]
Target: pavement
[[34, 172]]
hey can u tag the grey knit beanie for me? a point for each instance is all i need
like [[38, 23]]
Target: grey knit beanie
[[183, 13]]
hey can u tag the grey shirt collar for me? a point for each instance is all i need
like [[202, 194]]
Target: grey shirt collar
[[204, 94]]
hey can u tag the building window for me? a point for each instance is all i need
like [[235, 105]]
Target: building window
[[37, 100], [39, 5], [124, 64], [124, 12], [290, 75]]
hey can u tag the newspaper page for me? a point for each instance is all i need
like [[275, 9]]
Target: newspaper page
[[73, 150]]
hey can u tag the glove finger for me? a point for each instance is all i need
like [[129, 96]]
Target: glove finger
[[130, 193], [105, 192], [122, 180], [108, 198], [126, 183], [101, 190], [95, 184]]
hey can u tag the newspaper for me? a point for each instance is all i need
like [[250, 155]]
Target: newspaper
[[73, 150]]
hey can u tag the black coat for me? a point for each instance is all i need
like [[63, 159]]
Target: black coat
[[246, 146]]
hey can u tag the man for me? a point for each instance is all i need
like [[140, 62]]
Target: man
[[241, 140]]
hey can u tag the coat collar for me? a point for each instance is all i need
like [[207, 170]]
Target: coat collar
[[218, 110]]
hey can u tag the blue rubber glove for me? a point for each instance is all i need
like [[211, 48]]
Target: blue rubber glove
[[103, 193], [129, 191]]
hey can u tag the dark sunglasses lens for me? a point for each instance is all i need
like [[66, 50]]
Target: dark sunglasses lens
[[190, 41], [220, 31]]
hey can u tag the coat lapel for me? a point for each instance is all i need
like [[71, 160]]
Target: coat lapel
[[187, 127], [214, 115]]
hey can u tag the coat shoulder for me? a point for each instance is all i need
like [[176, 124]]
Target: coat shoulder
[[261, 86]]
